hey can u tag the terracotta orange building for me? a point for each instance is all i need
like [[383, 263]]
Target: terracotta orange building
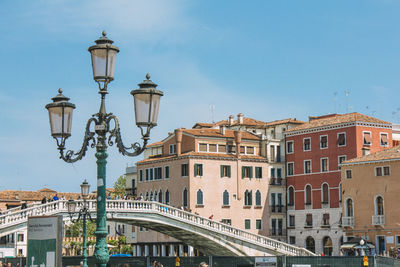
[[314, 151]]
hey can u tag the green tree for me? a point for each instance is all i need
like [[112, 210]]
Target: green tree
[[120, 186], [76, 229]]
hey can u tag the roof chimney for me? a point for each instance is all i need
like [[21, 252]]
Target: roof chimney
[[222, 129], [230, 120], [238, 140], [240, 118], [178, 139]]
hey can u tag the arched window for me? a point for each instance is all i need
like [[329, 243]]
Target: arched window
[[185, 198], [327, 245], [325, 193], [291, 196], [310, 244], [248, 200], [167, 197], [199, 197], [155, 196], [307, 195], [349, 207], [225, 198], [151, 196], [160, 196], [258, 198], [379, 208], [147, 195]]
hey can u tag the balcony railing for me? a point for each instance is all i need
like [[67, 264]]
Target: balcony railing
[[276, 181], [378, 220], [348, 221], [277, 209], [277, 232]]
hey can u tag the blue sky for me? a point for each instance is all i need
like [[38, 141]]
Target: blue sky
[[267, 59]]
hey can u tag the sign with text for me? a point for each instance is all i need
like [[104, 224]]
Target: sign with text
[[44, 241], [265, 261]]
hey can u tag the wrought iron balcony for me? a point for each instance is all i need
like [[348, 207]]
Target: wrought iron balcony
[[276, 181], [348, 221], [277, 209], [378, 220]]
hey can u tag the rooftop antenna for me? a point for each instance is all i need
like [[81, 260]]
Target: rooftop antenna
[[334, 100], [346, 92], [212, 108]]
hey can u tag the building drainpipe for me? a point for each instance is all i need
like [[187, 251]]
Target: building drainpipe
[[238, 141]]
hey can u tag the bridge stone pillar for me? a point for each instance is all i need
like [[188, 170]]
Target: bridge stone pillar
[[155, 251], [134, 250], [180, 250], [171, 250], [146, 250], [163, 251], [190, 251]]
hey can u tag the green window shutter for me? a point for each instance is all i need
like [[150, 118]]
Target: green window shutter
[[201, 169], [222, 170], [243, 171], [251, 172], [195, 169], [229, 171], [260, 172]]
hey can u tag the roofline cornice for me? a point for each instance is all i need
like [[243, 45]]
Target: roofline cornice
[[369, 162], [200, 157], [337, 126]]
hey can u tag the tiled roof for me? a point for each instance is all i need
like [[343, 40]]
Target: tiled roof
[[20, 195], [290, 120], [159, 143], [337, 119], [387, 154], [202, 154], [246, 121], [203, 125], [217, 133]]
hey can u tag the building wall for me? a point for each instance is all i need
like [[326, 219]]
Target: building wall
[[363, 188]]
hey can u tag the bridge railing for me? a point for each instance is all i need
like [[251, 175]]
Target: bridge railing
[[60, 207], [146, 206]]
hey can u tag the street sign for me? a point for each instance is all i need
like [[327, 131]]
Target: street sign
[[45, 241], [265, 262]]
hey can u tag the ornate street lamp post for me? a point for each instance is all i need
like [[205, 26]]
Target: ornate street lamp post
[[146, 102], [84, 212]]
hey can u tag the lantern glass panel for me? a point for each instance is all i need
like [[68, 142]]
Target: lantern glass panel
[[154, 108], [103, 63], [142, 102], [57, 121], [85, 189], [71, 206]]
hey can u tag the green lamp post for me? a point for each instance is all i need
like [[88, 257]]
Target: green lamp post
[[84, 213], [106, 128]]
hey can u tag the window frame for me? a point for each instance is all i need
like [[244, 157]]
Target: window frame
[[305, 164], [258, 172], [247, 224], [258, 224], [227, 173], [165, 172], [320, 141], [323, 201], [287, 167], [290, 203], [173, 150], [304, 144], [292, 146], [308, 195], [341, 156], [198, 170], [327, 164], [140, 175], [370, 135], [224, 204], [387, 137], [347, 172], [200, 194], [247, 172], [185, 170], [338, 138]]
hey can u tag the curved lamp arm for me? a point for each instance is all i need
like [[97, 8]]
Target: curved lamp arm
[[70, 156], [116, 134]]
